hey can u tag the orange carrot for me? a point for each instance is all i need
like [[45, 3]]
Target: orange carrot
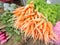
[[34, 23]]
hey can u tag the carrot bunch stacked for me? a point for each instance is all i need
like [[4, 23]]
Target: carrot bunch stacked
[[34, 24]]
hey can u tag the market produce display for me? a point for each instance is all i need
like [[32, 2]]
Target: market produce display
[[33, 23], [37, 20]]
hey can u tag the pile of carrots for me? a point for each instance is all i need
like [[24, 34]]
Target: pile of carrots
[[33, 23]]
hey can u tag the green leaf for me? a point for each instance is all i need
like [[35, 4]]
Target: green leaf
[[17, 32], [52, 11]]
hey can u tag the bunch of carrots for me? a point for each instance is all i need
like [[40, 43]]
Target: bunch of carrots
[[33, 23]]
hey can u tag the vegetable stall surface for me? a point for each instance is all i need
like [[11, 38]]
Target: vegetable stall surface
[[34, 24]]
